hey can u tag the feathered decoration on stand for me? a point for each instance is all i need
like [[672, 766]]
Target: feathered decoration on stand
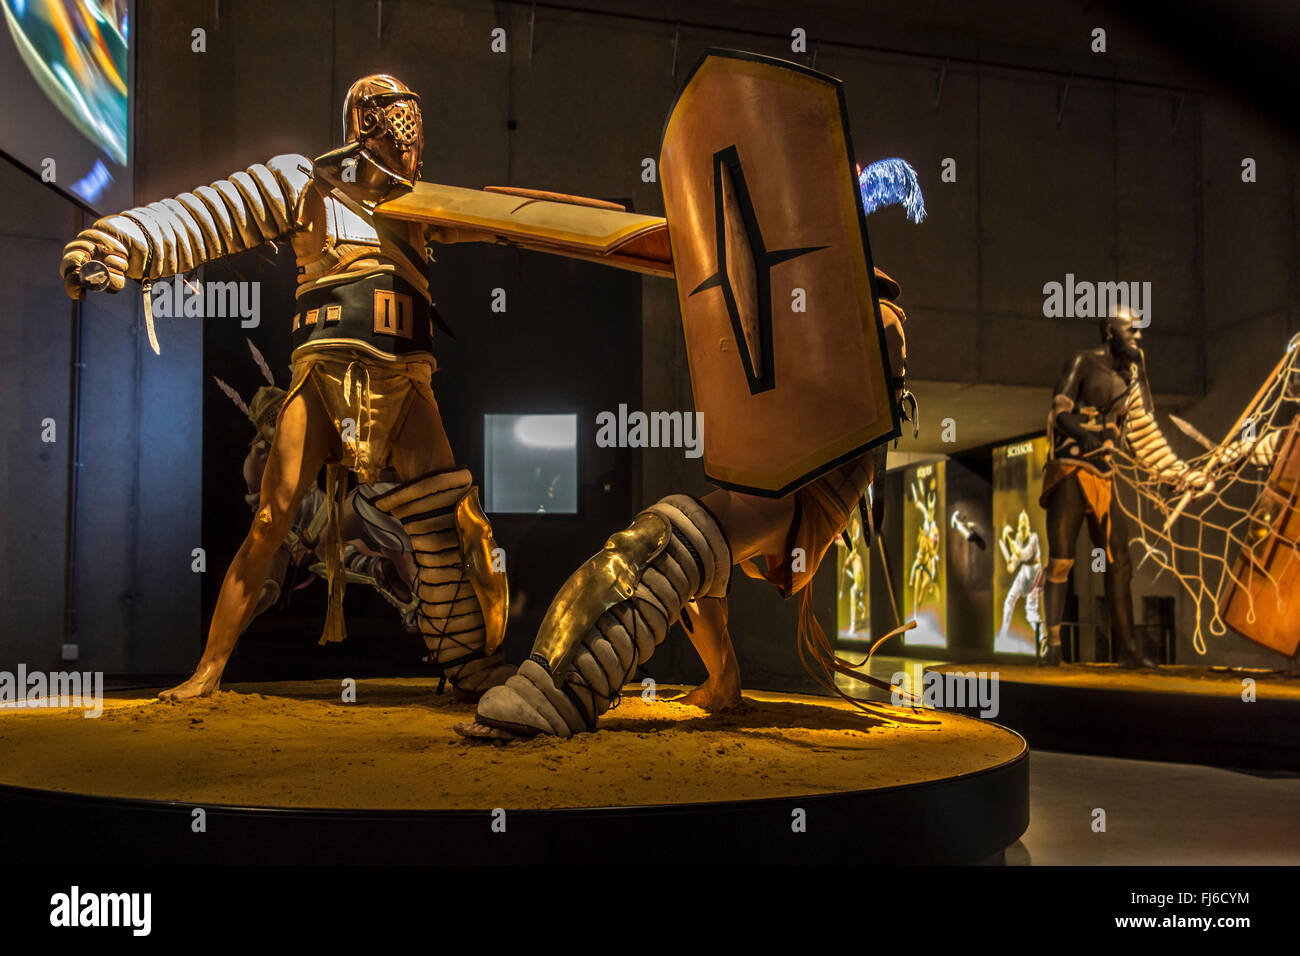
[[232, 395], [261, 362], [891, 182]]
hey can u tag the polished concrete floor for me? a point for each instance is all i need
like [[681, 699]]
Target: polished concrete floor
[[1156, 814]]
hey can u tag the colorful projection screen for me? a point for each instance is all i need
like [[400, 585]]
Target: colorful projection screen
[[853, 589], [65, 95]]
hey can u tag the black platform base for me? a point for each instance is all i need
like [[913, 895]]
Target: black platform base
[[1123, 714], [968, 819]]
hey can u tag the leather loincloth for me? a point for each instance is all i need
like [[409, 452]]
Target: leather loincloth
[[366, 397], [1096, 490], [822, 509]]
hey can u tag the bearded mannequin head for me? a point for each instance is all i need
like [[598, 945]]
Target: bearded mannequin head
[[1122, 337]]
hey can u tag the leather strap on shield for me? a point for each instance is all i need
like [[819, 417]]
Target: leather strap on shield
[[1261, 598]]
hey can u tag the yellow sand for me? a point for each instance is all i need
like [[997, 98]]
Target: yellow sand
[[297, 744]]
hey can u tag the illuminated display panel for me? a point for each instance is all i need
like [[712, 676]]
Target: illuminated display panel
[[66, 95], [853, 585], [1020, 535], [925, 572], [530, 464]]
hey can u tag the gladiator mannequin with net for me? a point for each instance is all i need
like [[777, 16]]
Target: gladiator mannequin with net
[[1101, 405], [1231, 544], [360, 396]]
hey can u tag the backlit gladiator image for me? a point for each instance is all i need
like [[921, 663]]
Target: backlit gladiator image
[[1023, 555], [923, 578]]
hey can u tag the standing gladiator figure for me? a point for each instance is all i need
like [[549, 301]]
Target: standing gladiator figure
[[360, 395], [1101, 401], [853, 578]]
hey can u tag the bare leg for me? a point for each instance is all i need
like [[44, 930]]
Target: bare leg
[[753, 526], [1065, 514], [709, 635], [302, 441], [421, 446], [273, 586]]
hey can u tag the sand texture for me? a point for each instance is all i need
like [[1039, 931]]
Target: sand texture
[[299, 745]]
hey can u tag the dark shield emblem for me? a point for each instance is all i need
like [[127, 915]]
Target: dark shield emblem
[[774, 273]]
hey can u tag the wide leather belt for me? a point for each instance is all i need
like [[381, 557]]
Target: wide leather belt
[[383, 310]]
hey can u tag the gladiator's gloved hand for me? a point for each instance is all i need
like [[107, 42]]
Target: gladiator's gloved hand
[[1195, 481], [180, 234], [81, 250]]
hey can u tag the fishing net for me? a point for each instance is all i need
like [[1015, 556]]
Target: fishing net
[[1195, 530]]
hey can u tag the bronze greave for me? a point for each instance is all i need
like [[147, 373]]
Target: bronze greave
[[450, 618], [594, 661]]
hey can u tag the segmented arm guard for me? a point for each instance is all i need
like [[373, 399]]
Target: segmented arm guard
[[1147, 442], [176, 235]]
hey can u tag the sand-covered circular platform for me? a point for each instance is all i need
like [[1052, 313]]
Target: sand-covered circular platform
[[1229, 717], [299, 745]]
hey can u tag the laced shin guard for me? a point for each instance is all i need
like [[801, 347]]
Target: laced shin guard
[[450, 617], [566, 684]]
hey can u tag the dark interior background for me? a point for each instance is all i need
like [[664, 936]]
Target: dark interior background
[[1122, 165]]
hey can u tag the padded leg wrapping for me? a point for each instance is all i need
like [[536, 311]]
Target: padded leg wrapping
[[449, 616], [696, 563]]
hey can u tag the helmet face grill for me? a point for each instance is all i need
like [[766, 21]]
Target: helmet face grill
[[398, 121], [402, 120], [381, 113]]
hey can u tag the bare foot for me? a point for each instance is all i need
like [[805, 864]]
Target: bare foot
[[716, 694], [477, 731], [203, 684]]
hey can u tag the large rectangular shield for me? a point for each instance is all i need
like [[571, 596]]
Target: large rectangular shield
[[774, 273], [1261, 598]]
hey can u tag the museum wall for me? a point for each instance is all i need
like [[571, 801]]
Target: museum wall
[[1059, 169], [103, 563], [34, 387]]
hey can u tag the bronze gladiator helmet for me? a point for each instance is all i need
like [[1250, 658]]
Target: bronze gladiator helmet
[[382, 116], [264, 411]]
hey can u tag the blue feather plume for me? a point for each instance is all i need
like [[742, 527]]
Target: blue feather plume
[[891, 182]]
